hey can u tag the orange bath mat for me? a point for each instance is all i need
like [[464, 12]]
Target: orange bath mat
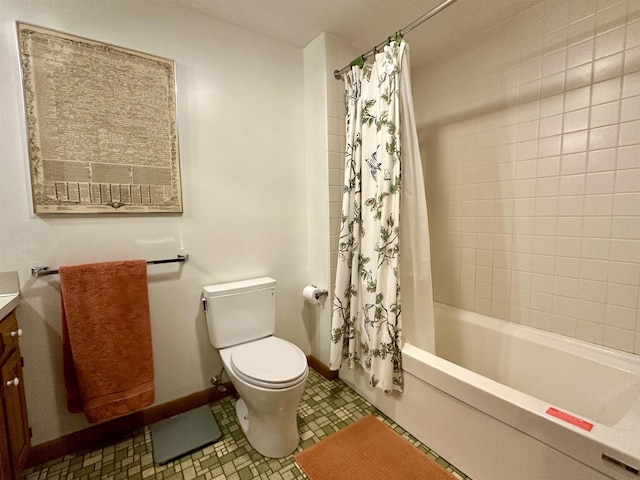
[[368, 449]]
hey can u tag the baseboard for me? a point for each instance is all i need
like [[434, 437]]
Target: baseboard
[[321, 368], [112, 431]]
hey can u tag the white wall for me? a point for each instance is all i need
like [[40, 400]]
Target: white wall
[[325, 137], [531, 141], [241, 127]]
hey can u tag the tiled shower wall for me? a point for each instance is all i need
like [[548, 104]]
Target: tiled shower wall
[[530, 136], [339, 54]]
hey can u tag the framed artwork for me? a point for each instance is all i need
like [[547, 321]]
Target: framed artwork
[[101, 125]]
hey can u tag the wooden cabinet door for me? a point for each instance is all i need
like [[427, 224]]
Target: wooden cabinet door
[[15, 411], [5, 457]]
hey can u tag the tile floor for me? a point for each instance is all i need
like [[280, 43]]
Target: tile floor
[[325, 408]]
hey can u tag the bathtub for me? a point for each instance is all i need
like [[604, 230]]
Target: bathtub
[[505, 401]]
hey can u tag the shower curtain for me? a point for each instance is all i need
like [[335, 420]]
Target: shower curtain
[[377, 252]]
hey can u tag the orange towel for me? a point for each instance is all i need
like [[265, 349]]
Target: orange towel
[[106, 339]]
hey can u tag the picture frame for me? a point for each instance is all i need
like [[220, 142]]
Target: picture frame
[[101, 126]]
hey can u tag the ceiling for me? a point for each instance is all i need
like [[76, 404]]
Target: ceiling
[[362, 22]]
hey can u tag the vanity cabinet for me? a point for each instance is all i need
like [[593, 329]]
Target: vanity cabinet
[[14, 427]]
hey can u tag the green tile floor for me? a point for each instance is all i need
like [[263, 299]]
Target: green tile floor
[[325, 408]]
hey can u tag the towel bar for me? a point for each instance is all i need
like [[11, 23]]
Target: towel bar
[[41, 271]]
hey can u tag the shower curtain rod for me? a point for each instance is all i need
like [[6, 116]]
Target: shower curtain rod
[[418, 21]]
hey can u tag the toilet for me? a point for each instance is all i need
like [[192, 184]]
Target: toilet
[[269, 373]]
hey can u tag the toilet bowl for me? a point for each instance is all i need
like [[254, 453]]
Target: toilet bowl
[[269, 373]]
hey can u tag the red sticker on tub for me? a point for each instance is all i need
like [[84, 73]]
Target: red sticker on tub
[[567, 417]]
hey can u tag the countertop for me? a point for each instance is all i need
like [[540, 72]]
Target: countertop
[[8, 303]]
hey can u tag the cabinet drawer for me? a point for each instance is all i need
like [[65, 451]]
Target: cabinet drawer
[[9, 334]]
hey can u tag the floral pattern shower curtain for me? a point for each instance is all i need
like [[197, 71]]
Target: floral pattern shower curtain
[[366, 327]]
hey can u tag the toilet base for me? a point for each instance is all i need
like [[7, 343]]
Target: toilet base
[[243, 415], [269, 418]]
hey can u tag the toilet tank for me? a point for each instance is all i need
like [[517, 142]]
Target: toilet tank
[[239, 312]]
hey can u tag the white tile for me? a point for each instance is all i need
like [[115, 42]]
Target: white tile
[[580, 53], [626, 204], [632, 60], [541, 320], [544, 245], [552, 84], [592, 291], [599, 183], [574, 142], [566, 286], [606, 91], [567, 267], [629, 157], [608, 67], [582, 30], [596, 227], [625, 227], [542, 263], [622, 295], [598, 205], [567, 247], [610, 15], [570, 205], [609, 43], [545, 225], [576, 120], [625, 250], [530, 71], [630, 133], [601, 160], [591, 269], [551, 126], [526, 169], [591, 311], [631, 85], [624, 273], [548, 167], [628, 182], [578, 76], [500, 309], [548, 147], [579, 9], [554, 105], [542, 301], [620, 317], [556, 16], [570, 227], [547, 186], [589, 331], [554, 63], [572, 185], [595, 248], [564, 306], [618, 338], [527, 150], [605, 114], [603, 137], [528, 111], [573, 164], [520, 297], [579, 98], [633, 34], [630, 109]]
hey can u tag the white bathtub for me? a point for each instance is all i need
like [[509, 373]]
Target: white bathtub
[[536, 405]]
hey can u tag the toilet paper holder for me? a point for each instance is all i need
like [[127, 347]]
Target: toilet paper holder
[[322, 292], [313, 294]]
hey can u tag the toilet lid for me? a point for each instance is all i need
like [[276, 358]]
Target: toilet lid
[[270, 363]]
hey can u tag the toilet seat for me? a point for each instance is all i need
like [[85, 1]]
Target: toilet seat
[[269, 363]]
